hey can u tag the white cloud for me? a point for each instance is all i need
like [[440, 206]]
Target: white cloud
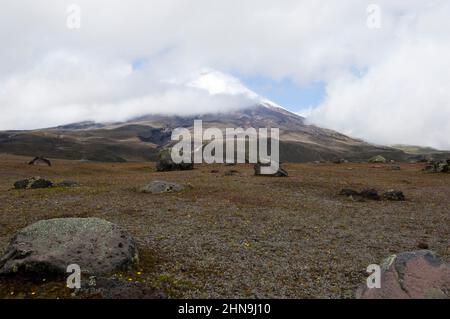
[[51, 75]]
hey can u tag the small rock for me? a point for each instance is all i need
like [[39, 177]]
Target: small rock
[[22, 184], [370, 193], [159, 187], [394, 195], [348, 192]]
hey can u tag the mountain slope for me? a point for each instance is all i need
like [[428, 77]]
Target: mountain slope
[[140, 139]]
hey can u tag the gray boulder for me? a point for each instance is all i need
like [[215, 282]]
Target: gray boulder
[[160, 187], [411, 275], [49, 246]]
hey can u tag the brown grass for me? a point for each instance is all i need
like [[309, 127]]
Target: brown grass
[[239, 236]]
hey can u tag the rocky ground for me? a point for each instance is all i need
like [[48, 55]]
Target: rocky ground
[[236, 235]]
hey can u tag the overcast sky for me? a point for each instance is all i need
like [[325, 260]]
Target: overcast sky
[[317, 57]]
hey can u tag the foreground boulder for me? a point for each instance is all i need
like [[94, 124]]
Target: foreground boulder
[[33, 183], [411, 275], [166, 164], [159, 187], [49, 246], [280, 173]]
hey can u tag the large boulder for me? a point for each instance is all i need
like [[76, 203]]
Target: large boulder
[[159, 187], [166, 164], [280, 173], [33, 183], [411, 275], [438, 167], [377, 159], [49, 246]]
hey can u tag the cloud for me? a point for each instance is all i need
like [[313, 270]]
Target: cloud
[[405, 99], [385, 85]]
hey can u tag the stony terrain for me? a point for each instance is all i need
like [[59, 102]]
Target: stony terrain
[[236, 235]]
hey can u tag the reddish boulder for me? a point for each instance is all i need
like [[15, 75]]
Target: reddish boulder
[[411, 275]]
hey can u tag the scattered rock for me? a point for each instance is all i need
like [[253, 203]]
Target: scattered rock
[[394, 195], [49, 246], [33, 183], [348, 192], [280, 173], [39, 160], [411, 275], [214, 171], [370, 193], [377, 159], [396, 168], [166, 164], [339, 161], [159, 187]]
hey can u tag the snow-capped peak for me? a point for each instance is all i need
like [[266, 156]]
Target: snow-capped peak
[[215, 82]]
